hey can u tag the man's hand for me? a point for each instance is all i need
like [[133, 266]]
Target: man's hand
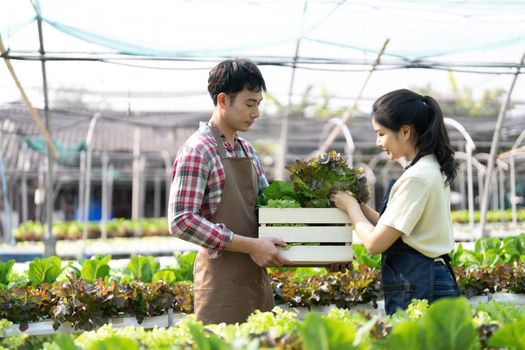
[[264, 252]]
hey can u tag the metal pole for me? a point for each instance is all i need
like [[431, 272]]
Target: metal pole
[[142, 186], [8, 235], [167, 174], [481, 181], [513, 203], [104, 216], [495, 200], [462, 187], [110, 191], [501, 186], [350, 111], [513, 190], [34, 114], [23, 193], [23, 188], [135, 194], [39, 194], [156, 197], [470, 188], [349, 146], [501, 167], [87, 191], [494, 148], [470, 146], [283, 149], [81, 185], [50, 240]]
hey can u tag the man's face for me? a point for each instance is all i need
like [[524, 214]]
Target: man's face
[[241, 113]]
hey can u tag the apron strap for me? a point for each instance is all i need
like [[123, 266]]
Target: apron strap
[[216, 134]]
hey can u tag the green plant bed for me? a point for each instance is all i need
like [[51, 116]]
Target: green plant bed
[[448, 324], [493, 216], [123, 247], [33, 231], [88, 293], [48, 328]]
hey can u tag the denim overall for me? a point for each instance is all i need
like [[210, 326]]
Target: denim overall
[[407, 274]]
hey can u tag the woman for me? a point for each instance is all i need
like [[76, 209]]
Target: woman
[[414, 229]]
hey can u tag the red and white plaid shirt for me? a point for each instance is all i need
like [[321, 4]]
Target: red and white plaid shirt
[[197, 185]]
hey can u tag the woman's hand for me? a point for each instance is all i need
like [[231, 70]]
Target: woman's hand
[[343, 200]]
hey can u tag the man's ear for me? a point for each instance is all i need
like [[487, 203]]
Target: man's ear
[[222, 99]]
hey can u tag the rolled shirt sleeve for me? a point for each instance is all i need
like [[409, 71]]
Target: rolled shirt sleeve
[[191, 172]]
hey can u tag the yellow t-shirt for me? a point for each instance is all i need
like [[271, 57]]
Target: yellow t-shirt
[[419, 206]]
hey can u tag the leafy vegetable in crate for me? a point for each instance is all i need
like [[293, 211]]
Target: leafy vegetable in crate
[[278, 195], [315, 179]]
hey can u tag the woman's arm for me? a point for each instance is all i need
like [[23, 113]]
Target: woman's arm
[[375, 238], [371, 214]]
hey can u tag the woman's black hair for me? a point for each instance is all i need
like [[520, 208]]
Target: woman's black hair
[[405, 107], [231, 76]]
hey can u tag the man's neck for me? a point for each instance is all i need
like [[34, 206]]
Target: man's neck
[[228, 132]]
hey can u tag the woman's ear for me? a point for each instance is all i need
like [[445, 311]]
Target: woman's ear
[[406, 131]]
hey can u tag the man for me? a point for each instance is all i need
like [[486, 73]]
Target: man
[[217, 177]]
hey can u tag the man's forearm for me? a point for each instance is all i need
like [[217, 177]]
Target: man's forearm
[[198, 230], [241, 244]]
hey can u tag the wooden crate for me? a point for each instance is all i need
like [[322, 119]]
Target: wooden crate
[[340, 231]]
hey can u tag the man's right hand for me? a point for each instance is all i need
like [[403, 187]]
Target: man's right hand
[[264, 252]]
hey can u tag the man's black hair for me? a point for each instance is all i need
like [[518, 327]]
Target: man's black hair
[[232, 76]]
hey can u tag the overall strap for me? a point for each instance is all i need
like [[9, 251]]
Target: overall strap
[[448, 263], [414, 161], [384, 200]]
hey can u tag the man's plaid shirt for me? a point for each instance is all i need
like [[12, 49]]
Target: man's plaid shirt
[[197, 185]]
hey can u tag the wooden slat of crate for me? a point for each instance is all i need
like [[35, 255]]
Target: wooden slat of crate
[[329, 225], [308, 233], [318, 255], [302, 216]]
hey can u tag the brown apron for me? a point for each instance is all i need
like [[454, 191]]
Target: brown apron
[[232, 286]]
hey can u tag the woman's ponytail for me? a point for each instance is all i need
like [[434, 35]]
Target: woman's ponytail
[[435, 140], [405, 107]]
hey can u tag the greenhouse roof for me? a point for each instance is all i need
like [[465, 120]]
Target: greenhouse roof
[[352, 30], [133, 53], [142, 58]]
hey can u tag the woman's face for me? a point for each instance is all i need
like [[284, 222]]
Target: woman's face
[[390, 141]]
